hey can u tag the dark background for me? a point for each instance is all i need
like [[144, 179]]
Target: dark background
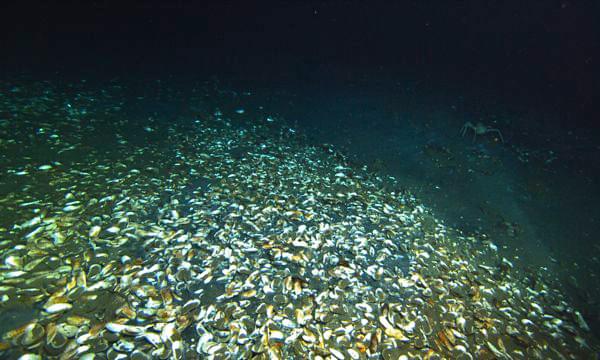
[[545, 51]]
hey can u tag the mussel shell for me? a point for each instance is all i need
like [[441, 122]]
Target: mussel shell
[[33, 334], [69, 331], [139, 355], [112, 354], [55, 339], [183, 274], [94, 271], [124, 346]]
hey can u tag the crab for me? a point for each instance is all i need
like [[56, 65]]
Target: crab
[[479, 129]]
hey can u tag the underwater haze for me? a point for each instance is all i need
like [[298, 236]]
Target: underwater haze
[[299, 180]]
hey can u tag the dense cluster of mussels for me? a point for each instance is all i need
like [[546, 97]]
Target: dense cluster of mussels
[[226, 241]]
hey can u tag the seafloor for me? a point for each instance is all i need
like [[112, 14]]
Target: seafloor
[[224, 234]]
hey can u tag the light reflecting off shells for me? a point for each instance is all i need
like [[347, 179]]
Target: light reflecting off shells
[[219, 239]]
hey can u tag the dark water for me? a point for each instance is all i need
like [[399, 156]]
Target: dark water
[[389, 86]]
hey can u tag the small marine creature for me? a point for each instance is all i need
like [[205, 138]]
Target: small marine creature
[[479, 129]]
